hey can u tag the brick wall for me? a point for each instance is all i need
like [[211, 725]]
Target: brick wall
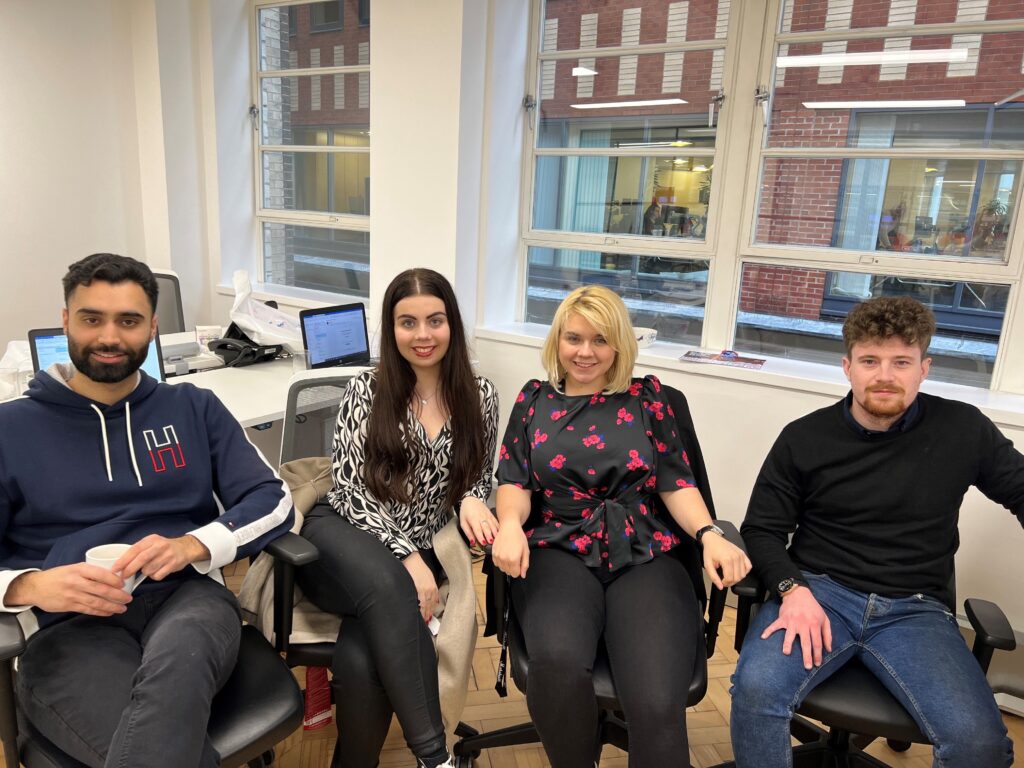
[[786, 291]]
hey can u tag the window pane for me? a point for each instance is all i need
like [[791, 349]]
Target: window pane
[[332, 104], [311, 36], [316, 181], [663, 293], [311, 257], [655, 196], [632, 100], [898, 92], [798, 312], [953, 208], [815, 16], [571, 24]]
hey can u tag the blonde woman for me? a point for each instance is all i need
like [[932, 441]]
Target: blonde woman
[[602, 452]]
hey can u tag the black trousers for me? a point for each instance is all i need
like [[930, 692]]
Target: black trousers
[[384, 660], [649, 619]]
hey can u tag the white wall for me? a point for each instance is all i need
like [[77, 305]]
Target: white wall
[[69, 173]]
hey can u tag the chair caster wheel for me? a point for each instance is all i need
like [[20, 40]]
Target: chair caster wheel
[[263, 761], [898, 746]]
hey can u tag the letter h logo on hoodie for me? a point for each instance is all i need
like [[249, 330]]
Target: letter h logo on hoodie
[[157, 449]]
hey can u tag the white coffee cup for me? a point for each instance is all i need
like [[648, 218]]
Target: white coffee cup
[[105, 555]]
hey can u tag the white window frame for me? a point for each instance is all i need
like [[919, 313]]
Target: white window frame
[[339, 221]]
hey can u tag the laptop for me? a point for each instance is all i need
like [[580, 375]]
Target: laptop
[[50, 345], [335, 335]]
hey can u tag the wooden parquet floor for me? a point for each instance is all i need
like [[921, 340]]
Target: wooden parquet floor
[[708, 722]]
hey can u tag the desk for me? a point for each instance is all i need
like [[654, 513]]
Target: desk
[[256, 394]]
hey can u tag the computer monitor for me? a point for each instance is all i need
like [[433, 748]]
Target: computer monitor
[[335, 335], [50, 345]]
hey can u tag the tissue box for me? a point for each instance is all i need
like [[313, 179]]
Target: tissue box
[[645, 336]]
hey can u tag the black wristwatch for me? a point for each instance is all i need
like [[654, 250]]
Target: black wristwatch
[[708, 529], [786, 586]]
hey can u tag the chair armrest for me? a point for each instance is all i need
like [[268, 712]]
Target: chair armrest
[[991, 627], [12, 643], [12, 639], [292, 549], [716, 598]]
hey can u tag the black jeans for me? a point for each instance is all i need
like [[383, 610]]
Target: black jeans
[[649, 619], [134, 689], [384, 660]]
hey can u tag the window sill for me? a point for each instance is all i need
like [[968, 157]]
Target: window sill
[[1005, 409], [299, 298]]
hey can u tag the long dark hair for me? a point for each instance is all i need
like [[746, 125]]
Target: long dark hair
[[388, 461]]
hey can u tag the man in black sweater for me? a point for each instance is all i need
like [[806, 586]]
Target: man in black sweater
[[870, 489]]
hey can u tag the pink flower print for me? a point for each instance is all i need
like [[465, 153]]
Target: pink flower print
[[592, 427], [686, 459], [569, 428], [542, 543], [536, 476], [666, 544], [521, 398], [597, 398], [658, 535], [528, 532], [515, 440], [624, 416], [630, 530], [604, 556], [656, 409], [670, 411], [538, 438], [683, 484], [594, 441], [518, 485], [556, 414], [551, 396], [635, 461], [635, 387], [656, 384], [591, 471], [587, 513], [530, 412], [547, 515], [503, 453], [558, 462], [643, 508], [582, 544], [558, 524], [548, 493], [675, 539], [579, 495], [662, 448], [651, 482]]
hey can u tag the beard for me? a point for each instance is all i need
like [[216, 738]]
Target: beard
[[892, 406], [106, 373]]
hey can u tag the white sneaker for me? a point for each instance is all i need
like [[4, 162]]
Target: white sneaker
[[449, 763]]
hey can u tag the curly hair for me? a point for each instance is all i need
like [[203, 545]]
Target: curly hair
[[886, 317]]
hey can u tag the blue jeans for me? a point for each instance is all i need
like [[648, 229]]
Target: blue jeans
[[912, 645], [134, 689]]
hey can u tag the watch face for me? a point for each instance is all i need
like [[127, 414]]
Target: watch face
[[785, 585]]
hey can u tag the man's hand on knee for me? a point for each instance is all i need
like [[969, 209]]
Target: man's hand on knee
[[80, 588], [158, 557], [802, 616]]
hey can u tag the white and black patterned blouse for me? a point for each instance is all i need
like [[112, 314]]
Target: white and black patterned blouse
[[403, 528]]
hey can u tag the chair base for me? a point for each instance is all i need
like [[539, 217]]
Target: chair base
[[826, 749]]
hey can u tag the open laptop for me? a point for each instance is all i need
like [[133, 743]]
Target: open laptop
[[335, 335], [50, 345]]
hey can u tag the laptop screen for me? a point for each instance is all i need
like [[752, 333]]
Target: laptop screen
[[335, 335], [50, 346]]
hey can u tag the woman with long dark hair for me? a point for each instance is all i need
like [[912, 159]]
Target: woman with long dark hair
[[414, 442]]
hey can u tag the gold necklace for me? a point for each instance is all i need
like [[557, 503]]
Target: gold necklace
[[424, 400]]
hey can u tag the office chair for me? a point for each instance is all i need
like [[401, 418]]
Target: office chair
[[613, 728], [171, 316], [310, 414], [853, 705], [258, 707]]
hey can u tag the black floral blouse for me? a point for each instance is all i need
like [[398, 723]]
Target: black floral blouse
[[598, 461]]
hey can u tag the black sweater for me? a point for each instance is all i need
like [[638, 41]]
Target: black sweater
[[877, 513]]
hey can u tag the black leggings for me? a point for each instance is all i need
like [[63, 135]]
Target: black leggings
[[650, 623], [384, 660]]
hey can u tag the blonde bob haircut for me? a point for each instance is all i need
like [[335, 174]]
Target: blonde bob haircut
[[604, 310]]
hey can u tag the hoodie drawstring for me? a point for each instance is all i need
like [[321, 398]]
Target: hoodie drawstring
[[131, 445]]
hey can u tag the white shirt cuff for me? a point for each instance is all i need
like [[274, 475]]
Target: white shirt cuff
[[221, 543], [6, 577]]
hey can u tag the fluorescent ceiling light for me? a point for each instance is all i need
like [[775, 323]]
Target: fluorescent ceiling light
[[629, 104], [872, 57], [583, 72], [700, 168], [922, 104], [656, 144]]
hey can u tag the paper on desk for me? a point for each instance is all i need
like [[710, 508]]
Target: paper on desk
[[263, 324], [730, 360]]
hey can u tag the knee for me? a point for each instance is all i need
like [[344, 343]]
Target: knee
[[974, 740], [388, 587], [756, 691], [352, 662], [554, 666]]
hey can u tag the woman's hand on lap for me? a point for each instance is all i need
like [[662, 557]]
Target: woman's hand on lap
[[477, 522], [426, 586], [720, 553], [511, 551]]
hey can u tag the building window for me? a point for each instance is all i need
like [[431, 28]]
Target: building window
[[623, 156], [312, 89], [897, 147]]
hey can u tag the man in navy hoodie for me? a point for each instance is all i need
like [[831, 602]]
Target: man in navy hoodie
[[99, 453]]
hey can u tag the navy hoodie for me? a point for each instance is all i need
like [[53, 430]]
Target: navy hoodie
[[75, 473]]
